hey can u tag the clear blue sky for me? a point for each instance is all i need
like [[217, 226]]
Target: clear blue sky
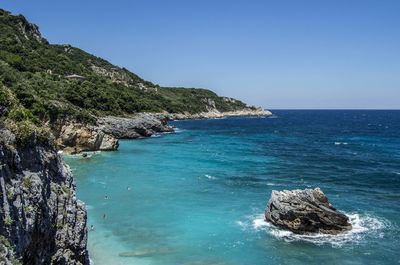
[[277, 54]]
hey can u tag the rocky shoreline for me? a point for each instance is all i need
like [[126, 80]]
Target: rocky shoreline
[[41, 220], [72, 137], [215, 114]]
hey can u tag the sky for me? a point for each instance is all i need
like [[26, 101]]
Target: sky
[[300, 54]]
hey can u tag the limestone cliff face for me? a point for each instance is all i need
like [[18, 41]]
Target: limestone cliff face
[[41, 221], [76, 137]]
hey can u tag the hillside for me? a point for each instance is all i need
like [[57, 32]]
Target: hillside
[[60, 81]]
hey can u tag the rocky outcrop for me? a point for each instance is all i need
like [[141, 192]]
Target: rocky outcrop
[[140, 125], [77, 137], [305, 212], [41, 221]]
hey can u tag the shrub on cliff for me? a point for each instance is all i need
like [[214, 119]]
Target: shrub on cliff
[[18, 119]]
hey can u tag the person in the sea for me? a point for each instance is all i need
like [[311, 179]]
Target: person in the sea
[[92, 228], [106, 197], [104, 216]]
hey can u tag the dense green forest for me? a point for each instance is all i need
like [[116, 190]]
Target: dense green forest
[[50, 82]]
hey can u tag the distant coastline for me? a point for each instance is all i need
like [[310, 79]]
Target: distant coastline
[[74, 137]]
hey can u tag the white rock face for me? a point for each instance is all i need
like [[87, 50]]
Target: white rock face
[[76, 137]]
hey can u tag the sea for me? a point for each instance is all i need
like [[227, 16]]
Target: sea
[[197, 196]]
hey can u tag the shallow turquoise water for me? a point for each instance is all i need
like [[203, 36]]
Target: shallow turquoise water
[[198, 196]]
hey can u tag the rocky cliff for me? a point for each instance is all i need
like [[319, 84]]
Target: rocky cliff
[[41, 221], [73, 137]]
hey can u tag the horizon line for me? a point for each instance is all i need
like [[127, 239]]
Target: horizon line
[[329, 109]]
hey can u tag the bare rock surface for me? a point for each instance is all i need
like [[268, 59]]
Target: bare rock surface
[[305, 211], [215, 114], [140, 125], [41, 221], [76, 137]]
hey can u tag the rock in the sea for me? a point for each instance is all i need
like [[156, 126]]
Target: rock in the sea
[[305, 211]]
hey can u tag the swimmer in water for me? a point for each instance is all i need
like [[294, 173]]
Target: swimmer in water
[[92, 228], [104, 216]]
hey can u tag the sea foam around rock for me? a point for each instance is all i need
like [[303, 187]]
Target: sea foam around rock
[[363, 225]]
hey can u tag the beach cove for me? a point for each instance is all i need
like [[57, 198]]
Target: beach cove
[[197, 196]]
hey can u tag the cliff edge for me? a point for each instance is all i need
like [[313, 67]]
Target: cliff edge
[[41, 221]]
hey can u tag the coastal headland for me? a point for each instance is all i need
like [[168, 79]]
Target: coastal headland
[[58, 97]]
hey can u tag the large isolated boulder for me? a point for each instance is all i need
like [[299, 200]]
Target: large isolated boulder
[[305, 211]]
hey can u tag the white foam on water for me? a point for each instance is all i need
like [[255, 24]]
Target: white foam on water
[[363, 225], [341, 143], [177, 130], [209, 176]]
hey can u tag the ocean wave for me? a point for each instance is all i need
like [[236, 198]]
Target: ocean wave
[[209, 176], [341, 143], [177, 130], [363, 225]]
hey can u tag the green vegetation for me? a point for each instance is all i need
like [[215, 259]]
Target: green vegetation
[[19, 119], [9, 193], [7, 252], [8, 221], [37, 87], [66, 190], [27, 183]]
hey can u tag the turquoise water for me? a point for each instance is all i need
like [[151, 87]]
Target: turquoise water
[[198, 196]]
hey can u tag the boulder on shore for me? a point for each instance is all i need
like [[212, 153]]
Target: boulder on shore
[[305, 211]]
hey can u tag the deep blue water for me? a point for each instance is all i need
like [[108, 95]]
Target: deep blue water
[[198, 196]]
